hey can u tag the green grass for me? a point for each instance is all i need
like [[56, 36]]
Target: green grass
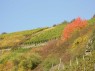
[[88, 64], [36, 36], [20, 59], [53, 33], [17, 38], [12, 54], [24, 33], [23, 59], [91, 21]]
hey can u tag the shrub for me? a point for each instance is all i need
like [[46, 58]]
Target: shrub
[[54, 25], [93, 16], [30, 62], [47, 64], [77, 24]]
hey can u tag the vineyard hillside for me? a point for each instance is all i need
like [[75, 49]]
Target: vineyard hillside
[[69, 46]]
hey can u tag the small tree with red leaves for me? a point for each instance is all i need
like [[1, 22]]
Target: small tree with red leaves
[[77, 24]]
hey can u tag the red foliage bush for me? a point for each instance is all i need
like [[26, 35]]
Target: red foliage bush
[[77, 24]]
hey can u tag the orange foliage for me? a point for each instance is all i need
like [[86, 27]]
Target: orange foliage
[[77, 24]]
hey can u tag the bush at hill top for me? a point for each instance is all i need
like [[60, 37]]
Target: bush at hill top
[[77, 24]]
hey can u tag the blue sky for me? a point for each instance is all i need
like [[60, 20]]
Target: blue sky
[[18, 15]]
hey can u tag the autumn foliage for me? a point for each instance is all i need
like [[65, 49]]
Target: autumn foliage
[[77, 24]]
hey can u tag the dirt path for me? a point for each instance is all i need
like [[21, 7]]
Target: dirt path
[[24, 46]]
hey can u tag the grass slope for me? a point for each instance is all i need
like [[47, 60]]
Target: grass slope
[[35, 36], [47, 57]]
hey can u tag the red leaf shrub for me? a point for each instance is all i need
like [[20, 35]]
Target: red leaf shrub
[[77, 24]]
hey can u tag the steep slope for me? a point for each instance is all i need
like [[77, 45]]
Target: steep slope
[[46, 35], [36, 36], [16, 39], [77, 53]]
